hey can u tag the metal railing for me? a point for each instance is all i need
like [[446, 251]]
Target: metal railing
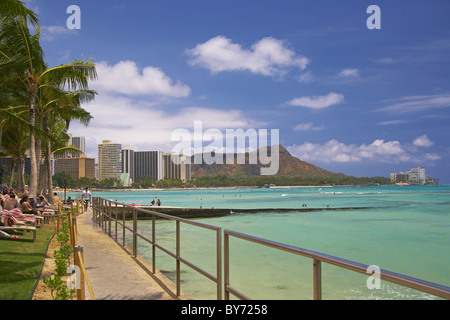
[[318, 258], [105, 213]]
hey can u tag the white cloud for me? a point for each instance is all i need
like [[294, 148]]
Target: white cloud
[[268, 56], [146, 126], [378, 151], [349, 73], [391, 122], [125, 78], [432, 157], [423, 141], [49, 33], [307, 127], [418, 103], [385, 61], [318, 102], [305, 77]]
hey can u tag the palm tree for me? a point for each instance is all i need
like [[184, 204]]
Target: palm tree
[[15, 142], [22, 64], [10, 10], [22, 47], [13, 9], [60, 109]]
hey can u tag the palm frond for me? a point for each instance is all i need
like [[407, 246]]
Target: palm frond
[[63, 150], [20, 50], [13, 9], [73, 76], [18, 120]]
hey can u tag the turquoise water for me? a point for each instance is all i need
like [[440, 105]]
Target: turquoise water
[[406, 230]]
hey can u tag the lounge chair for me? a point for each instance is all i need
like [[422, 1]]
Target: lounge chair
[[14, 215], [20, 228]]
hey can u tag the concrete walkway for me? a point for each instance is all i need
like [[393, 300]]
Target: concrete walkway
[[113, 273]]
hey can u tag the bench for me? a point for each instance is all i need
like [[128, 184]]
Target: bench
[[41, 218], [21, 228], [23, 222]]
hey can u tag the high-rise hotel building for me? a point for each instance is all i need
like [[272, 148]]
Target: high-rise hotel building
[[109, 160], [76, 167], [148, 164], [77, 142], [130, 165], [175, 167], [127, 165], [80, 166]]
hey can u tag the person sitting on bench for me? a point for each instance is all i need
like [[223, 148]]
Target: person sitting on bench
[[26, 207]]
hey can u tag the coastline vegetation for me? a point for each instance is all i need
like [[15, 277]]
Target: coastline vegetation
[[62, 180]]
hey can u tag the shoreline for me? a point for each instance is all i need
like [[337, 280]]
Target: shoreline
[[228, 188], [198, 188]]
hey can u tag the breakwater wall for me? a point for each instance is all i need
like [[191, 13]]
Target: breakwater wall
[[192, 213]]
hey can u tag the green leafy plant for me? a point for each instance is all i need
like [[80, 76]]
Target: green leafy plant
[[57, 286]]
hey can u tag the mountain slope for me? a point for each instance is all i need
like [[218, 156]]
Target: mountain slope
[[288, 166]]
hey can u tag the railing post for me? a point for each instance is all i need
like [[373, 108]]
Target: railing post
[[109, 218], [81, 292], [97, 206], [153, 243], [115, 220], [317, 265], [58, 219], [219, 263], [178, 258], [134, 232], [123, 227], [74, 231], [100, 217], [72, 240], [226, 264]]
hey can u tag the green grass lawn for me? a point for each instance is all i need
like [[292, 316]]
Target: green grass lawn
[[21, 261]]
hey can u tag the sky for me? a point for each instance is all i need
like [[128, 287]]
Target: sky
[[343, 95]]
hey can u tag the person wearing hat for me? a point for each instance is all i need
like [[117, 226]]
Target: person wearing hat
[[32, 201]]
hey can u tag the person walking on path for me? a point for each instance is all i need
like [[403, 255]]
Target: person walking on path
[[86, 198]]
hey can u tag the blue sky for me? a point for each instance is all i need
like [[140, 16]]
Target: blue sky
[[343, 97]]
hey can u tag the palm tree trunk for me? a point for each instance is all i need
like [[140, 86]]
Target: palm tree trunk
[[38, 155], [1, 129], [32, 120], [12, 176], [48, 162], [20, 172]]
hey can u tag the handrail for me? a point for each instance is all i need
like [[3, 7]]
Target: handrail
[[102, 209], [425, 286], [78, 253], [80, 257]]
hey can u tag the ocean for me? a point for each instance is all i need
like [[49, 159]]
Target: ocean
[[405, 229]]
